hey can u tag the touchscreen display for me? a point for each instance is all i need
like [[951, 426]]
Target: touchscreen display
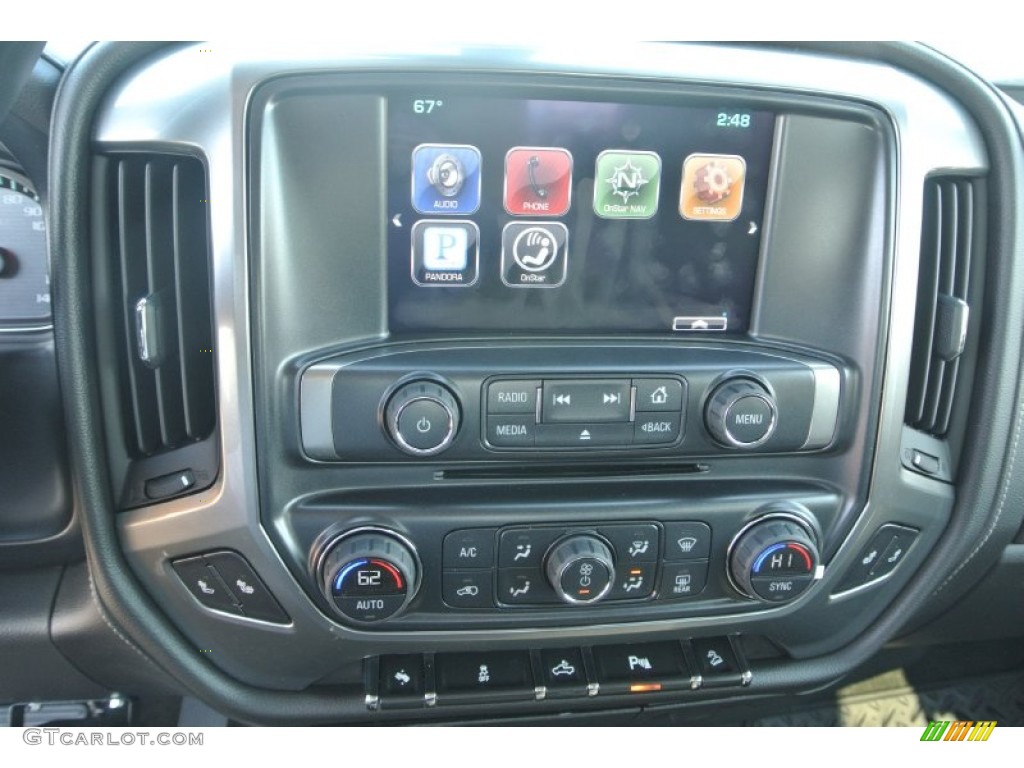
[[529, 215]]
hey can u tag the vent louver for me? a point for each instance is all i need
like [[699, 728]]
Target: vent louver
[[949, 237], [160, 244]]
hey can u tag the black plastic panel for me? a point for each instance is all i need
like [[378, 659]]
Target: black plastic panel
[[34, 474], [364, 383]]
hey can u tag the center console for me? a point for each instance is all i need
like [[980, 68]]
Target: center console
[[536, 385]]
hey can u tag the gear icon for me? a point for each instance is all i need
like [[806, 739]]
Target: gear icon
[[712, 182]]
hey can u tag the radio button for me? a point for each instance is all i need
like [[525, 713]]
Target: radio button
[[511, 431], [661, 395], [575, 436], [656, 428], [512, 396], [576, 402]]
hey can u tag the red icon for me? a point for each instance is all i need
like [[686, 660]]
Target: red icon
[[538, 181]]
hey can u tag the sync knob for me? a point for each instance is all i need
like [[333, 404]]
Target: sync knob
[[774, 559]]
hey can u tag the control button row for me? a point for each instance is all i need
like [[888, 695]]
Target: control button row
[[586, 413], [482, 676], [528, 586], [884, 552], [224, 581], [521, 556], [525, 547], [522, 432]]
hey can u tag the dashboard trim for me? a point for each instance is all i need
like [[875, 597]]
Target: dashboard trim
[[235, 493]]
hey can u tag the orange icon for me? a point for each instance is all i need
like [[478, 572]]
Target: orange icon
[[712, 188]]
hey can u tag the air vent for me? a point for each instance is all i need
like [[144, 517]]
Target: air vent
[[160, 245], [948, 244]]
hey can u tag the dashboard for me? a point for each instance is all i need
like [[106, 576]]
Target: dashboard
[[410, 387]]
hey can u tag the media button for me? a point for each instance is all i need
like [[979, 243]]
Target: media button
[[534, 254], [445, 254], [511, 431], [538, 181]]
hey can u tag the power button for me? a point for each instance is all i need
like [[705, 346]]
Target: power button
[[423, 418]]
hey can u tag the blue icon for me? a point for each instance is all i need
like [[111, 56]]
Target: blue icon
[[446, 179]]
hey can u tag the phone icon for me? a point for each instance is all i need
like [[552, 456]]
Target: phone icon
[[531, 171], [538, 181]]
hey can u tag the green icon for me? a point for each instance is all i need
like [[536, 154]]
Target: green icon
[[626, 184]]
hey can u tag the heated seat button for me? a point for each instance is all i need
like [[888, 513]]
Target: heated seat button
[[205, 585], [718, 662], [250, 592], [472, 548], [476, 676], [467, 589], [513, 396], [401, 677], [641, 668], [576, 402], [894, 551], [562, 672], [687, 541]]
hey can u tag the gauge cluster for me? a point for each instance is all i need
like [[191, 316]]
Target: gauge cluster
[[24, 272]]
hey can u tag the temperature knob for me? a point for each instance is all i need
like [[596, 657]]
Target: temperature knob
[[774, 559], [369, 575], [581, 569], [422, 418]]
